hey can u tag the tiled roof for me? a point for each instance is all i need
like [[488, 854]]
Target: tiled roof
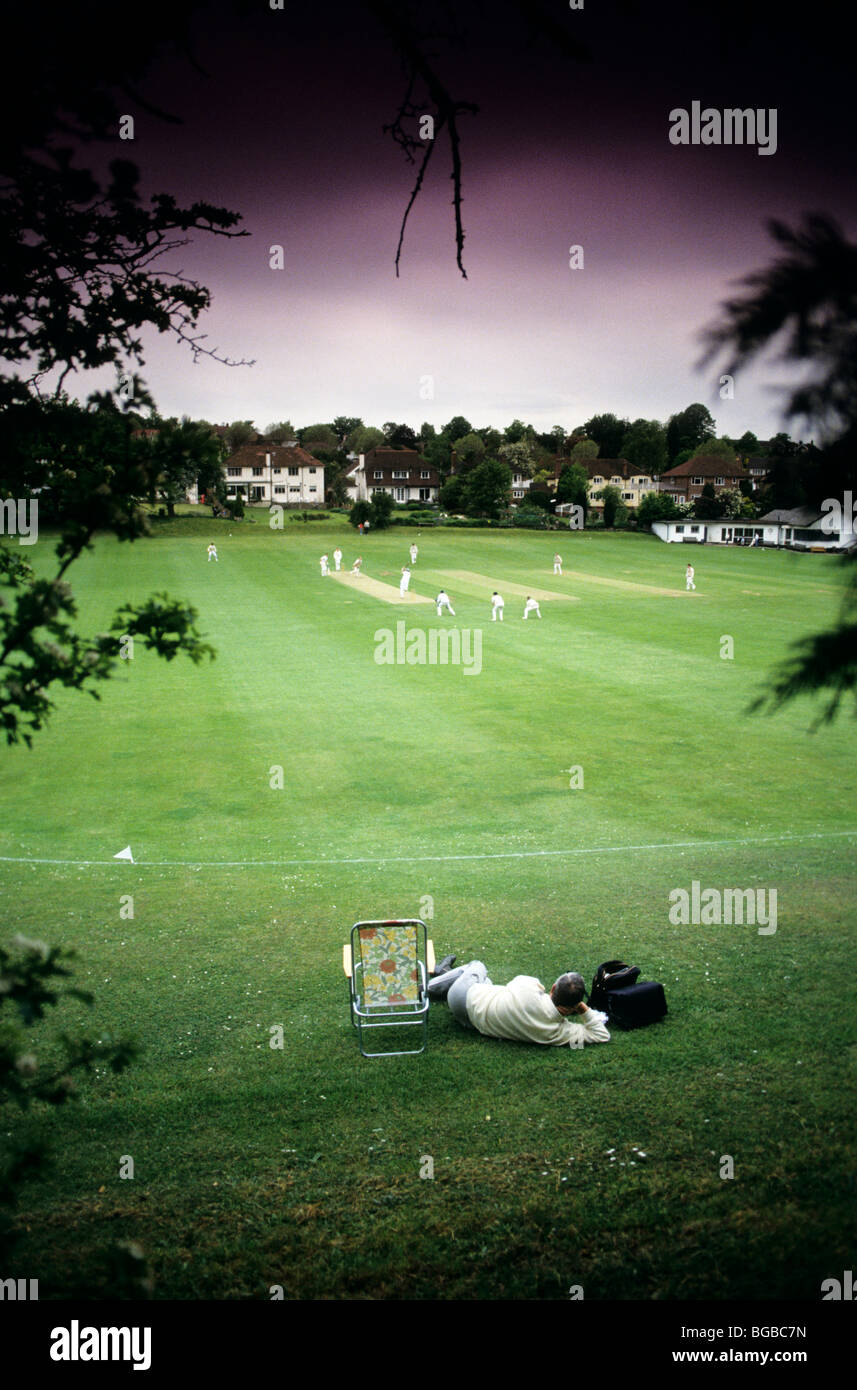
[[609, 468], [707, 466], [795, 516], [392, 457], [282, 455]]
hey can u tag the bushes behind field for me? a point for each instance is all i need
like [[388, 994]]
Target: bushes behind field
[[531, 519], [416, 518]]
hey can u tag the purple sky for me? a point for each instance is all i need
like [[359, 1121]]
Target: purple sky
[[287, 131]]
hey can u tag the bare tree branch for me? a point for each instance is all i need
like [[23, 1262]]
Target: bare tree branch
[[409, 45]]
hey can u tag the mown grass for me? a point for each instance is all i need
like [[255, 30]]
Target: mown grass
[[301, 1167]]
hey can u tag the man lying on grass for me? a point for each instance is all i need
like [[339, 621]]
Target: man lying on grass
[[522, 1010]]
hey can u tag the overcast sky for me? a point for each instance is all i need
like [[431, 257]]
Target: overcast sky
[[287, 130]]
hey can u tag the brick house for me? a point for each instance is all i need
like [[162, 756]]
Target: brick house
[[401, 472], [685, 483], [275, 473]]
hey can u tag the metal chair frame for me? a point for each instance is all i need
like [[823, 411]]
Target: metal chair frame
[[399, 1015]]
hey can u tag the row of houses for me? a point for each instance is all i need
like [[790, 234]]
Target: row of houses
[[289, 475], [286, 474], [268, 473]]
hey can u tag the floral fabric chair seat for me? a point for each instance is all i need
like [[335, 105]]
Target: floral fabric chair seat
[[387, 965]]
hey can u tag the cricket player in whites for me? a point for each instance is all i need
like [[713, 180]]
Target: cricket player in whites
[[212, 551], [414, 552], [443, 602], [404, 581], [355, 569], [337, 557], [324, 566], [531, 606], [689, 572], [557, 564], [496, 607]]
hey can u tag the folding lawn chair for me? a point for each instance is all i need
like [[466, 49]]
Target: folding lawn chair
[[387, 965]]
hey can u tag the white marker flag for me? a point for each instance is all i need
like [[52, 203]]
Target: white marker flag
[[125, 854]]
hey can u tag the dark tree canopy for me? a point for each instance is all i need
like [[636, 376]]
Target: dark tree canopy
[[805, 303], [608, 431], [687, 429], [82, 259]]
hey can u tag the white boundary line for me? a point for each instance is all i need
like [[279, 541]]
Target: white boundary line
[[432, 858]]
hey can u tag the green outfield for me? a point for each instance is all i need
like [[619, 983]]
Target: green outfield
[[538, 813]]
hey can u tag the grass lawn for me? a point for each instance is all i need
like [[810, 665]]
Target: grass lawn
[[300, 1166]]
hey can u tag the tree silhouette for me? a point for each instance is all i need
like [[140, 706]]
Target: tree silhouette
[[805, 303], [808, 297], [416, 47]]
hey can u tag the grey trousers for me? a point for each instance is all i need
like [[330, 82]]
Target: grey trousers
[[454, 985]]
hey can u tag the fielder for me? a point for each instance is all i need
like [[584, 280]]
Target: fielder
[[324, 566], [337, 558], [531, 606], [212, 551], [357, 563], [557, 564], [496, 607], [404, 581], [689, 575], [443, 602], [414, 553]]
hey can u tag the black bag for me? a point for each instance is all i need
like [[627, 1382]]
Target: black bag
[[617, 974], [627, 1004]]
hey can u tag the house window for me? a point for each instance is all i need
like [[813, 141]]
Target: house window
[[313, 489], [424, 473], [278, 470], [698, 481], [425, 494], [400, 473], [234, 472], [293, 472], [598, 480], [377, 473], [279, 489], [627, 496], [518, 493], [720, 481], [400, 494], [313, 470], [293, 488], [257, 472], [693, 528], [678, 530], [616, 478]]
